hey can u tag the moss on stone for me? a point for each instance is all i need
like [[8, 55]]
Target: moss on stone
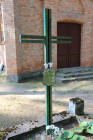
[[77, 100], [2, 135]]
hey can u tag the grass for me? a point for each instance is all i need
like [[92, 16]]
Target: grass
[[69, 77], [91, 70], [63, 73], [35, 89], [2, 78]]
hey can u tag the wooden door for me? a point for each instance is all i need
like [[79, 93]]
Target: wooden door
[[68, 55]]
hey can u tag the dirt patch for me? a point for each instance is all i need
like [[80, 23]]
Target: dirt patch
[[26, 101]]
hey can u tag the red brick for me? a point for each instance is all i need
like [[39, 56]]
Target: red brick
[[26, 17]]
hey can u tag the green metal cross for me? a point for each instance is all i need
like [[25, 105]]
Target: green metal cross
[[47, 40]]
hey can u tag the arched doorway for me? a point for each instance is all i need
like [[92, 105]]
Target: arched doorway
[[68, 55]]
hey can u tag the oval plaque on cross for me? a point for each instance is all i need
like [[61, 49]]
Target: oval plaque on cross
[[49, 77]]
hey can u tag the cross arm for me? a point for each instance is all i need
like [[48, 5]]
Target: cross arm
[[32, 36], [61, 37], [61, 40], [26, 39], [33, 41], [42, 39]]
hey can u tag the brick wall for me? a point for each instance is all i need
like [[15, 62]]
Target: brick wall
[[2, 54], [26, 17], [2, 46], [10, 42], [0, 25], [29, 20]]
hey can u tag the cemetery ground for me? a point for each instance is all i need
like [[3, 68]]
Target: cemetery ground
[[21, 102]]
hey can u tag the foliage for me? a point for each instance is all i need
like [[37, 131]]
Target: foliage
[[63, 135], [2, 135], [70, 135], [63, 73], [53, 130], [85, 127]]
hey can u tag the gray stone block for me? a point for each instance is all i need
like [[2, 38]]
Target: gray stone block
[[23, 76], [14, 78], [76, 106]]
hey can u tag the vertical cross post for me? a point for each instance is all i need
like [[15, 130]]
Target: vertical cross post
[[48, 58]]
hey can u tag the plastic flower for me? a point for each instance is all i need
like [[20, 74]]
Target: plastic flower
[[56, 133], [52, 126], [50, 64], [48, 127], [60, 133], [62, 130], [46, 66], [56, 129]]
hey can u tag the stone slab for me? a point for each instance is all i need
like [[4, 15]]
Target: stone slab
[[32, 125]]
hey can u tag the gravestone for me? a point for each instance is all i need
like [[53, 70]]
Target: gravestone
[[76, 106]]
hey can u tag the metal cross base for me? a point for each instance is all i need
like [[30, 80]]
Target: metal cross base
[[47, 40]]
